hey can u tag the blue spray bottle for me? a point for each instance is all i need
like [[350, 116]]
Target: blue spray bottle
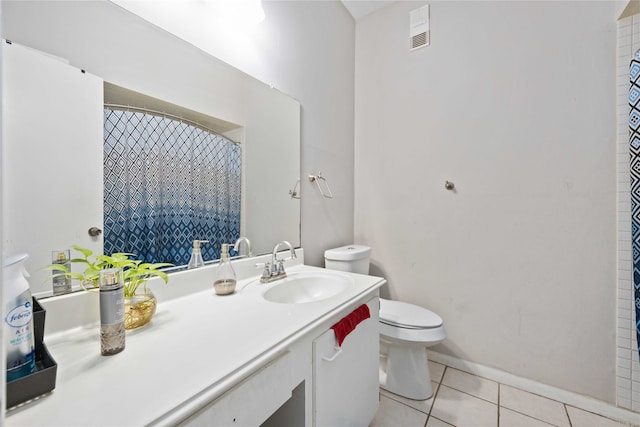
[[18, 321]]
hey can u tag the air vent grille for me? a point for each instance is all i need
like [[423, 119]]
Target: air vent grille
[[419, 40], [419, 34]]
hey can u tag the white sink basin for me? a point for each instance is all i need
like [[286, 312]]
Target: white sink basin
[[304, 287]]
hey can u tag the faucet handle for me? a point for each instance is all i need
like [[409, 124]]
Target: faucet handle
[[267, 268], [280, 269]]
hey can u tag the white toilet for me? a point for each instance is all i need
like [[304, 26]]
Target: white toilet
[[405, 331]]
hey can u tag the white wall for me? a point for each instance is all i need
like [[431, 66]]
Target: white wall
[[514, 102], [317, 67]]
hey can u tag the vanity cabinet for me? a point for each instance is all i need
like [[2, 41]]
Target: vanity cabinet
[[345, 378], [339, 385], [257, 363]]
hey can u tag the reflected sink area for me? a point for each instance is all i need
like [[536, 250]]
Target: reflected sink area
[[305, 287]]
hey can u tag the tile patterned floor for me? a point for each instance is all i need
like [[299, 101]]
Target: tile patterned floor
[[461, 399]]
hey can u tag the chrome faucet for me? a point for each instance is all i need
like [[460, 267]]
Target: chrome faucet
[[275, 269], [236, 246]]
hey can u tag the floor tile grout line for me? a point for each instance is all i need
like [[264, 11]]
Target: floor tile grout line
[[442, 421], [566, 411], [530, 416], [398, 399], [435, 395], [403, 403], [472, 374], [500, 406], [469, 394], [499, 386], [475, 375]]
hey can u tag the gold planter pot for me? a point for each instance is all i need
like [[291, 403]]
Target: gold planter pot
[[139, 309]]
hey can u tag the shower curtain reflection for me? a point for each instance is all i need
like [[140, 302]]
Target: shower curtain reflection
[[167, 183]]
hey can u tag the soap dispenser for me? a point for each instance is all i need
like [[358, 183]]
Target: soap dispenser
[[196, 255], [225, 282]]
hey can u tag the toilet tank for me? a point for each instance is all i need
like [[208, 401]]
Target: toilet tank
[[351, 258]]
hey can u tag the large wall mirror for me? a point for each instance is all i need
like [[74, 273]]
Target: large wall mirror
[[66, 60]]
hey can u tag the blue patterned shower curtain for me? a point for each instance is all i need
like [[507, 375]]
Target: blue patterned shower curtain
[[634, 151], [167, 183]]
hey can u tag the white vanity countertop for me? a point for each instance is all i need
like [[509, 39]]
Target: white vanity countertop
[[196, 347]]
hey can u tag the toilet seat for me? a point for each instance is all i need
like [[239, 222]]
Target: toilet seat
[[407, 316]]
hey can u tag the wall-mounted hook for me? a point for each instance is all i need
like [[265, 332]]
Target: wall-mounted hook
[[317, 179], [294, 193], [449, 185]]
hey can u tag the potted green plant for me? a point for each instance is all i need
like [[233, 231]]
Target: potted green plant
[[140, 303]]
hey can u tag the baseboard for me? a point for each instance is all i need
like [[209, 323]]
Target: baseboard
[[577, 400]]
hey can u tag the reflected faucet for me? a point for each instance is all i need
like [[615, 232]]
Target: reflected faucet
[[236, 246], [277, 265]]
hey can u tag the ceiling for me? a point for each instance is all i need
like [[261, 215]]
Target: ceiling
[[360, 8]]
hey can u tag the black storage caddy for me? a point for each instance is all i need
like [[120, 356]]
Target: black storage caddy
[[43, 379]]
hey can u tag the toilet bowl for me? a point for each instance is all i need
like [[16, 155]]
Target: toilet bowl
[[406, 330]]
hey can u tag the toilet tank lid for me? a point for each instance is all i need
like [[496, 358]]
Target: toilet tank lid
[[348, 253]]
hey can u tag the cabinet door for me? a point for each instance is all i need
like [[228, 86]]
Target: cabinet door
[[345, 378], [52, 124]]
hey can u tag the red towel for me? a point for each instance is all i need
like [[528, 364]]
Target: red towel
[[349, 322]]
